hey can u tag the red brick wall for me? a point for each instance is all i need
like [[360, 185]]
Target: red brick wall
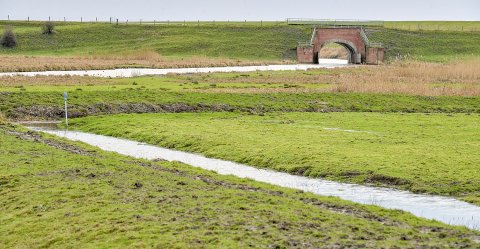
[[375, 56], [305, 54], [350, 35]]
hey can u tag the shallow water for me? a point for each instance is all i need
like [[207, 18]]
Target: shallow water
[[444, 209], [134, 72]]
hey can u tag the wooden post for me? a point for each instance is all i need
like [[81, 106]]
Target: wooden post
[[117, 21], [96, 20], [49, 18], [153, 22], [81, 19], [28, 19]]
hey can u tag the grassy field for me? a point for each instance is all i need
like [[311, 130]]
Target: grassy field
[[421, 153], [90, 45], [62, 194], [410, 87], [49, 105], [459, 26], [411, 124]]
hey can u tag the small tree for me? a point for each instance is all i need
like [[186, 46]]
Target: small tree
[[48, 28], [9, 40]]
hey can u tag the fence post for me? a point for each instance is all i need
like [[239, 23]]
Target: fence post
[[96, 19], [28, 19], [49, 18], [153, 22], [8, 17], [81, 19], [117, 21]]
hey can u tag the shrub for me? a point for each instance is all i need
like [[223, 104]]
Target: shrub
[[48, 28], [8, 39]]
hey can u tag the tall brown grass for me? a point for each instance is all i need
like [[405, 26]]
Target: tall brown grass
[[412, 78], [147, 59], [334, 53], [67, 80], [415, 78]]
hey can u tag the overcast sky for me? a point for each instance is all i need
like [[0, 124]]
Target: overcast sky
[[242, 9]]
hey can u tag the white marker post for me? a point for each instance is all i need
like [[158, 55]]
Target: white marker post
[[65, 97]]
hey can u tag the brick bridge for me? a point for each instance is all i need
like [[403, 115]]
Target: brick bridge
[[353, 39]]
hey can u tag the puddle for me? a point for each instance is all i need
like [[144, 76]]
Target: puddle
[[134, 72], [444, 209]]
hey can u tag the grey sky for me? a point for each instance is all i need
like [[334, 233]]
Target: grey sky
[[242, 9]]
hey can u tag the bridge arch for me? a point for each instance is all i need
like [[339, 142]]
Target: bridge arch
[[353, 39], [348, 45]]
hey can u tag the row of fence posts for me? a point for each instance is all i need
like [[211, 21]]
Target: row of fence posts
[[154, 21], [405, 27]]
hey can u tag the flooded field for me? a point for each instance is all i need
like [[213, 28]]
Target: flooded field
[[134, 72]]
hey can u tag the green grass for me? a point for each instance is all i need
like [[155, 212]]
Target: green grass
[[460, 26], [49, 104], [68, 194], [434, 46], [228, 40], [225, 41], [421, 153]]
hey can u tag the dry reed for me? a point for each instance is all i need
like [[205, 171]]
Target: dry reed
[[412, 78], [146, 59], [67, 80], [334, 53]]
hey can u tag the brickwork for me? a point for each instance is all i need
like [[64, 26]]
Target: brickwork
[[305, 54], [353, 39], [375, 55]]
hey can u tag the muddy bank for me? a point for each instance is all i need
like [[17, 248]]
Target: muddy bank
[[45, 112], [48, 112]]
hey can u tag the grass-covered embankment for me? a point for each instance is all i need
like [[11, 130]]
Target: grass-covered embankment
[[101, 45], [63, 194], [434, 153], [49, 105]]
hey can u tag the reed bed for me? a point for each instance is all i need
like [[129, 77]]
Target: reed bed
[[412, 78], [334, 53], [66, 80], [142, 59]]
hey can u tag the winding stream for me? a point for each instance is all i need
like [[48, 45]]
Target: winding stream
[[135, 72], [444, 209]]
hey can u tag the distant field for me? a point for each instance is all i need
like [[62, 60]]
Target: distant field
[[211, 43], [434, 153], [459, 26]]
